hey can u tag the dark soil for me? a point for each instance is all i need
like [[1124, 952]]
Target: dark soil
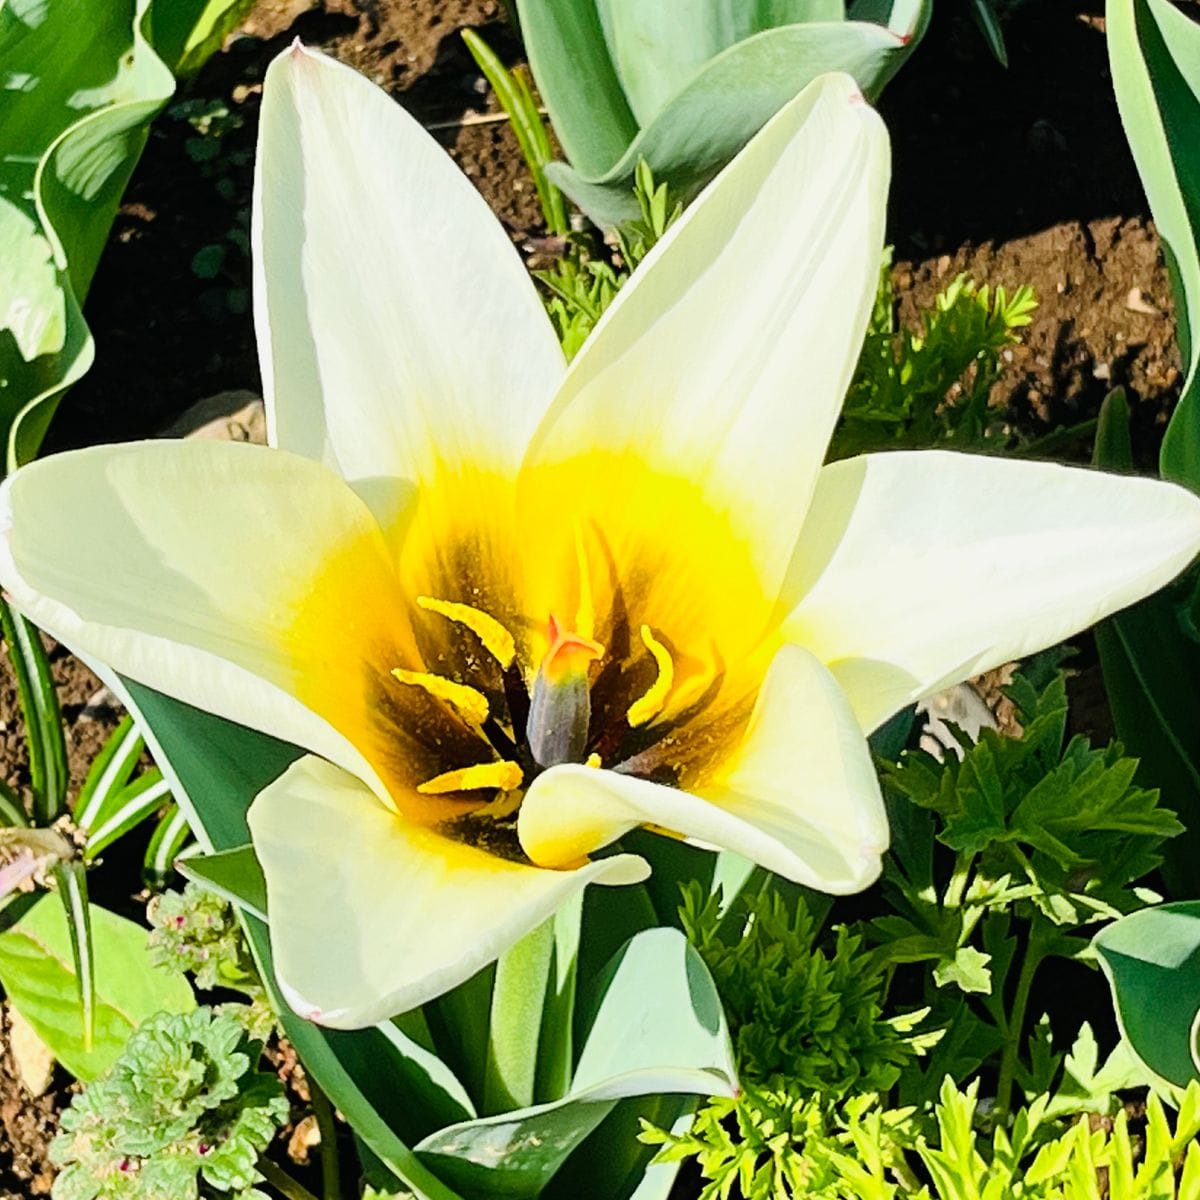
[[1016, 177]]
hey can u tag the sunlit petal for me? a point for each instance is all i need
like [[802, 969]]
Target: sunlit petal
[[916, 570], [371, 916], [799, 796], [726, 358], [249, 582], [397, 326]]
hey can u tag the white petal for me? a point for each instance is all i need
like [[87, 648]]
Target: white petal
[[726, 357], [242, 580], [371, 916], [916, 570], [397, 327], [800, 797]]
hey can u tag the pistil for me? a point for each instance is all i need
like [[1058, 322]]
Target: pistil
[[560, 707]]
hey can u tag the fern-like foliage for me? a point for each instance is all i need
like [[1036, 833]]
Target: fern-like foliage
[[798, 1009], [929, 386], [583, 282]]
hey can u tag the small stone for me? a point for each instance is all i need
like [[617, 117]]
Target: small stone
[[1138, 303], [34, 1062], [1102, 371]]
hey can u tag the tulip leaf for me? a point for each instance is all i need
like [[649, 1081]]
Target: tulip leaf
[[226, 764], [1152, 960], [187, 32], [234, 874], [575, 75], [726, 103], [82, 85], [679, 1044], [38, 974], [1151, 662], [1154, 53]]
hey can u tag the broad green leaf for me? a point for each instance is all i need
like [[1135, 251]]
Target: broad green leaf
[[233, 874], [368, 1082], [186, 32], [1152, 960], [36, 969], [1154, 53], [81, 85], [678, 1044], [223, 764], [570, 62], [657, 49], [387, 1094], [725, 105], [518, 1004], [32, 307], [1151, 664]]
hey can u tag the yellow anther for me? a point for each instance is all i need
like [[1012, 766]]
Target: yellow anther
[[650, 704], [472, 704], [498, 642], [585, 614], [592, 760], [503, 775]]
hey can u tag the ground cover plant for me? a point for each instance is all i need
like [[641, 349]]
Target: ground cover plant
[[634, 633]]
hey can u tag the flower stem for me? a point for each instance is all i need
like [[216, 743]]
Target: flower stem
[[281, 1181], [331, 1186], [1015, 1025]]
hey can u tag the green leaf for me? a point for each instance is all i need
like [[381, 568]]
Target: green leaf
[[39, 707], [187, 32], [575, 75], [133, 804], [232, 874], [1114, 447], [706, 123], [518, 1001], [36, 968], [989, 25], [168, 839], [71, 878], [84, 84], [1152, 961], [677, 1044], [517, 101], [1154, 53], [385, 1085], [109, 772]]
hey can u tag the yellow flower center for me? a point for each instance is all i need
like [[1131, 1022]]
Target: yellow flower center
[[591, 612]]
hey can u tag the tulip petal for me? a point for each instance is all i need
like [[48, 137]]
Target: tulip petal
[[371, 915], [726, 357], [246, 581], [398, 329], [916, 570], [800, 797]]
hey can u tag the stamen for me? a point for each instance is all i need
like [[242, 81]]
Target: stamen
[[592, 760], [498, 642], [504, 775], [472, 704], [651, 703]]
